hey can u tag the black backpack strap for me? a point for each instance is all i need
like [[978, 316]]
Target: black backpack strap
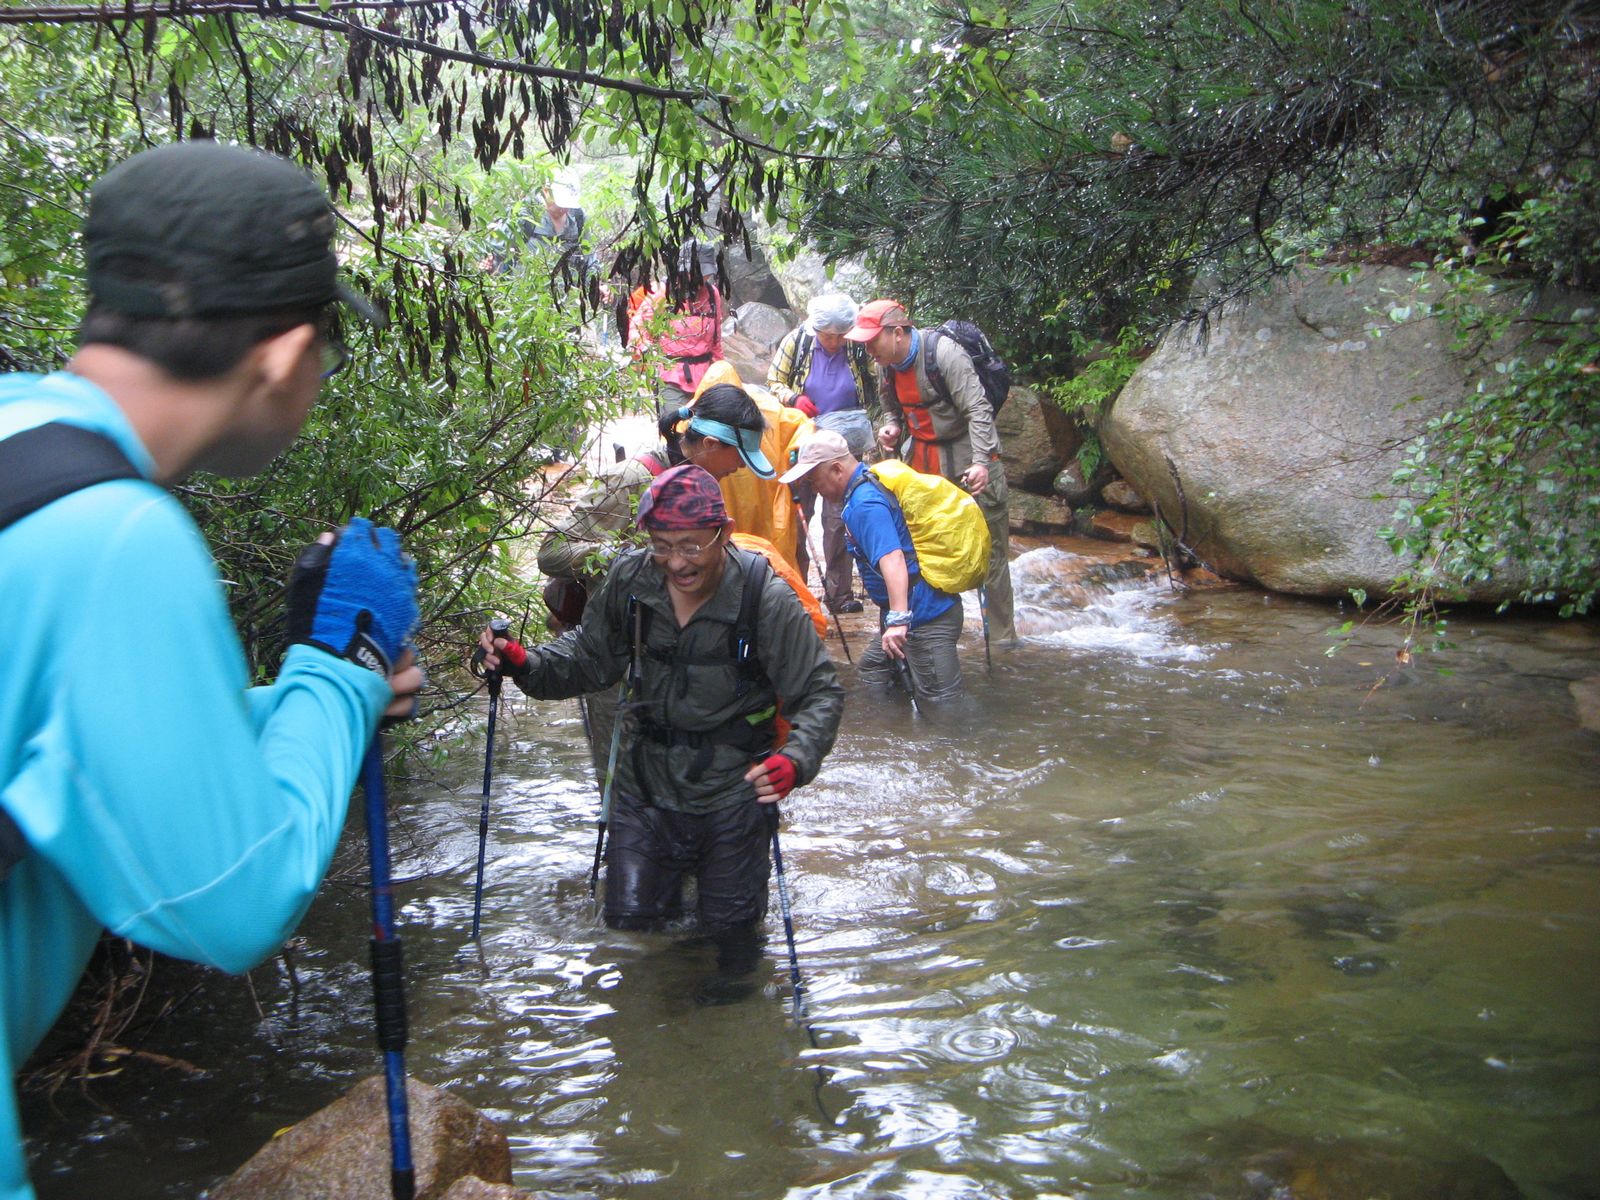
[[45, 463], [38, 466], [930, 363], [745, 628], [802, 355]]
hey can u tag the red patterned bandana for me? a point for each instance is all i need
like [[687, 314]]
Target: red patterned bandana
[[686, 497]]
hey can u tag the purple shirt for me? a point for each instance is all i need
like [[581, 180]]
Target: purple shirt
[[829, 383]]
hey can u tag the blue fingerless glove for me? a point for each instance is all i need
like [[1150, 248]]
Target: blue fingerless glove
[[356, 598]]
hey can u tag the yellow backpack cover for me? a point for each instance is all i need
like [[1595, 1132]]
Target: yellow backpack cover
[[946, 525]]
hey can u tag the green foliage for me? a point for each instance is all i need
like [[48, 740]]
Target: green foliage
[[441, 423], [1104, 370], [1510, 477], [1124, 162], [1084, 395]]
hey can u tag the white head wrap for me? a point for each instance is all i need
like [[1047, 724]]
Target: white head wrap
[[833, 313]]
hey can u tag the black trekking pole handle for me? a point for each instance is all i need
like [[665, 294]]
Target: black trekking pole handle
[[902, 668], [499, 628]]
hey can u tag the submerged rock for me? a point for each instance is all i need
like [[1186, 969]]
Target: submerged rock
[[343, 1151], [1250, 1162]]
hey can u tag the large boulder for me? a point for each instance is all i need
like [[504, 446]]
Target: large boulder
[[1037, 439], [1286, 425], [765, 325], [749, 278], [343, 1150], [748, 356], [807, 275]]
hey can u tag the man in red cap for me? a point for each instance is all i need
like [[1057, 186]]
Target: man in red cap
[[945, 431], [713, 644]]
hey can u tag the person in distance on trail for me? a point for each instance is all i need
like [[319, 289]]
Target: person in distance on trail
[[952, 435], [143, 789], [832, 381], [703, 764], [723, 434], [919, 624], [692, 339]]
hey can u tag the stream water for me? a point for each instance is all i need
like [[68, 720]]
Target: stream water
[[1186, 908]]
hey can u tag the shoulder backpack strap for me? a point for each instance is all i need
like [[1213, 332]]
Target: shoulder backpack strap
[[756, 574], [38, 466], [930, 362], [46, 463], [802, 350], [650, 462]]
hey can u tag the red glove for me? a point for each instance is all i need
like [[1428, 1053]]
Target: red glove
[[803, 403], [780, 773], [514, 657]]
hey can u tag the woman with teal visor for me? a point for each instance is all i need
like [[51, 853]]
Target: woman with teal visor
[[724, 432]]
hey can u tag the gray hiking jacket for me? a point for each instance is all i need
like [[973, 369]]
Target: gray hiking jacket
[[953, 432]]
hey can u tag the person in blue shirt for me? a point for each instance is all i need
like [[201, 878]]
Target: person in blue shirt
[[143, 788], [919, 624]]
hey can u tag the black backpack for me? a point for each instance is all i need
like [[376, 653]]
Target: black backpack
[[993, 373], [38, 466]]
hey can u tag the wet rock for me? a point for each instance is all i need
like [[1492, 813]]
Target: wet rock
[[1039, 514], [748, 356], [1119, 493], [1250, 1162], [1037, 440], [343, 1150], [1072, 487], [1113, 526], [1344, 1170], [473, 1188], [1150, 534], [765, 326], [749, 278], [1286, 427], [1586, 695], [807, 274]]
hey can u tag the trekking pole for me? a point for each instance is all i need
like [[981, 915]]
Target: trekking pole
[[822, 575], [788, 933], [630, 679], [605, 795], [388, 977], [499, 628], [983, 611], [902, 669]]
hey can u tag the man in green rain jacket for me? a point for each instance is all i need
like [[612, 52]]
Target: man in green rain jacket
[[711, 743]]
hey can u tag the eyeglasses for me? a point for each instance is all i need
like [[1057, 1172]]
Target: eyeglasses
[[335, 357], [688, 551]]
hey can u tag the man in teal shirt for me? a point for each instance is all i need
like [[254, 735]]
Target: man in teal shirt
[[143, 788]]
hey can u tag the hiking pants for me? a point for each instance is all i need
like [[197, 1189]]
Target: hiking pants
[[838, 567], [650, 850], [931, 654]]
